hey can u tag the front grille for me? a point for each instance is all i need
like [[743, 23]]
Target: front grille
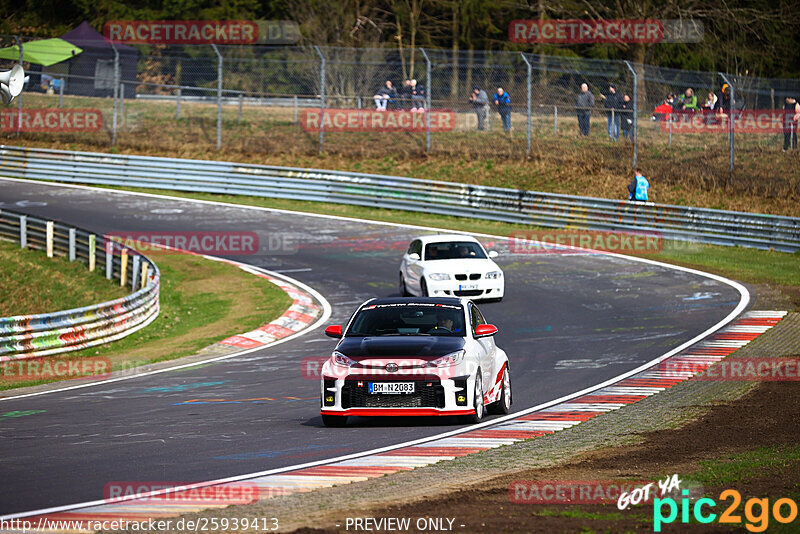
[[424, 396], [475, 276], [461, 277], [468, 293]]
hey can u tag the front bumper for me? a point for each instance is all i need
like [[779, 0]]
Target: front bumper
[[433, 395], [484, 289]]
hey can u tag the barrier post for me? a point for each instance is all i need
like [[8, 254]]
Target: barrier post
[[219, 96], [555, 120], [123, 267], [731, 128], [427, 100], [23, 231], [61, 93], [72, 244], [635, 113], [116, 94], [109, 258], [294, 104], [49, 238], [528, 85], [178, 105], [241, 98], [321, 99], [135, 271], [143, 278], [92, 252]]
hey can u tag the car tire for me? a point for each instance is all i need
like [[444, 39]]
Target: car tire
[[334, 420], [401, 286], [480, 409], [423, 287], [503, 404]]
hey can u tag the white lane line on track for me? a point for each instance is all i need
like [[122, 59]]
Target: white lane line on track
[[738, 309]]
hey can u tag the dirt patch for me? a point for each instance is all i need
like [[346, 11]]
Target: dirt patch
[[727, 430]]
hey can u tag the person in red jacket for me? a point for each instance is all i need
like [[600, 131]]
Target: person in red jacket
[[664, 110]]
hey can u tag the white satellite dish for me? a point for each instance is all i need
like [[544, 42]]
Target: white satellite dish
[[11, 82]]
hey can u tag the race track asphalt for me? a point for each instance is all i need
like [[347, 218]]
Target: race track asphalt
[[568, 321]]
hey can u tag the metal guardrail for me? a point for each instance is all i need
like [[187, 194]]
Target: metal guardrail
[[34, 336], [475, 201]]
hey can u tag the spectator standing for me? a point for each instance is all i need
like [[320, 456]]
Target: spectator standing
[[418, 95], [613, 104], [384, 95], [480, 103], [791, 116], [627, 117], [637, 189], [584, 105], [503, 103]]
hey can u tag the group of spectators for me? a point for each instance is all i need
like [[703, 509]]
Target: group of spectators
[[687, 103], [411, 96], [619, 112], [480, 103]]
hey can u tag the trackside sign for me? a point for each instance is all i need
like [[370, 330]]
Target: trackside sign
[[360, 120], [575, 31]]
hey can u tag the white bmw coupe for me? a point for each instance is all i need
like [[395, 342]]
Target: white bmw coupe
[[450, 266]]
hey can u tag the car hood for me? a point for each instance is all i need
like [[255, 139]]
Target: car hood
[[423, 347], [458, 266]]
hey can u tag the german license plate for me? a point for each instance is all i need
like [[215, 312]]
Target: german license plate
[[462, 287], [393, 388]]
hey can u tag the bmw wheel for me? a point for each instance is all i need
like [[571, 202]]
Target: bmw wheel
[[423, 288]]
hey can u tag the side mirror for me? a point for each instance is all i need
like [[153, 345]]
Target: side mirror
[[334, 330], [493, 254], [484, 330], [413, 256]]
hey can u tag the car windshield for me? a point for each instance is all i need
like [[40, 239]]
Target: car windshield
[[452, 250], [408, 319]]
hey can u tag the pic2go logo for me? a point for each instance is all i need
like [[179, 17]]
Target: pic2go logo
[[756, 511]]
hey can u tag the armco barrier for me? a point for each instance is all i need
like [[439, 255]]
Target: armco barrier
[[33, 336], [475, 201]]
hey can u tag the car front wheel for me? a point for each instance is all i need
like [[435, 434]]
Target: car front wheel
[[478, 406], [503, 404]]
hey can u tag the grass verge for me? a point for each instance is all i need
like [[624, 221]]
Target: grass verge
[[202, 301], [59, 284]]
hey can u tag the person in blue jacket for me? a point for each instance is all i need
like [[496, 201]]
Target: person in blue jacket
[[503, 103], [637, 189]]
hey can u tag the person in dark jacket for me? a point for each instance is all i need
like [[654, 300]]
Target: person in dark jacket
[[791, 115], [418, 95], [613, 103], [383, 95], [583, 106], [503, 103], [480, 103], [405, 94], [626, 121]]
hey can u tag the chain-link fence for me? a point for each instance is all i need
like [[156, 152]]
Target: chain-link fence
[[308, 99]]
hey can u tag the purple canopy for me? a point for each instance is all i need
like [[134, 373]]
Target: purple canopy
[[87, 37]]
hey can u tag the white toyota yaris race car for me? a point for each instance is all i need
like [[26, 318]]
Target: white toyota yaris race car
[[450, 266], [415, 356]]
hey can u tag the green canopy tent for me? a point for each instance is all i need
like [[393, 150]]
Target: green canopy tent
[[44, 52]]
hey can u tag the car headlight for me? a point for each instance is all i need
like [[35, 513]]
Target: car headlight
[[494, 275], [439, 276], [449, 359], [342, 360]]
